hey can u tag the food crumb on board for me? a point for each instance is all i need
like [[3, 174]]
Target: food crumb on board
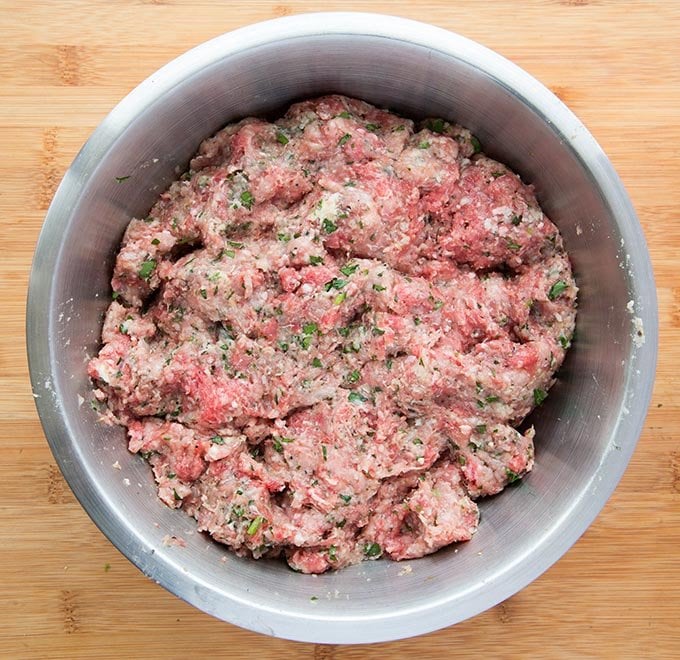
[[405, 571]]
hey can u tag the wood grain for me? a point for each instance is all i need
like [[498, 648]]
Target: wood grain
[[67, 593]]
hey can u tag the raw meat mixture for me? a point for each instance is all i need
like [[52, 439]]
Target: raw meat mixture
[[323, 335]]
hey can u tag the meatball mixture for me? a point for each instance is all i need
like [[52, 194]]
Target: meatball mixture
[[324, 335]]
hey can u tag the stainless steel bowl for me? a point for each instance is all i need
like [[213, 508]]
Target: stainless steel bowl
[[586, 432]]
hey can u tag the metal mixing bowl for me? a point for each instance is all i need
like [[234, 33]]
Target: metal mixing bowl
[[586, 431]]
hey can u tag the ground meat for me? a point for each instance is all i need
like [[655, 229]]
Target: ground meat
[[324, 334]]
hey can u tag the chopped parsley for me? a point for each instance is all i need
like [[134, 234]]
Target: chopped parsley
[[424, 145], [314, 260], [372, 550], [539, 396], [284, 238], [353, 376], [335, 283], [317, 363], [147, 268], [476, 144], [480, 428], [557, 290], [328, 226], [379, 287], [349, 269], [344, 139], [324, 452], [247, 199], [344, 114], [345, 498], [155, 241], [310, 328], [255, 526], [340, 298], [436, 125], [217, 440], [356, 397], [512, 476], [564, 342], [120, 179], [204, 294], [372, 127], [516, 219], [281, 138]]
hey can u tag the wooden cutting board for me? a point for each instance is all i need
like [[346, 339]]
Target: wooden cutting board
[[66, 591]]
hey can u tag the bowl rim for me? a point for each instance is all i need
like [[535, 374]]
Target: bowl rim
[[41, 352]]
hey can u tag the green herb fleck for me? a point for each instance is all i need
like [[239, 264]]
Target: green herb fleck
[[372, 550], [344, 139], [492, 398], [115, 295], [328, 226], [344, 114], [436, 125], [378, 332], [324, 452], [539, 396], [340, 298], [204, 294], [317, 363], [176, 496], [424, 145], [217, 440], [345, 498], [353, 376], [379, 287], [335, 283], [388, 363], [564, 342], [120, 179], [476, 144], [147, 268], [284, 238], [155, 241], [229, 253], [372, 127], [516, 219], [310, 328], [314, 260], [480, 428], [247, 199], [349, 269], [512, 245], [557, 289], [356, 397], [512, 476], [281, 138], [254, 526]]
